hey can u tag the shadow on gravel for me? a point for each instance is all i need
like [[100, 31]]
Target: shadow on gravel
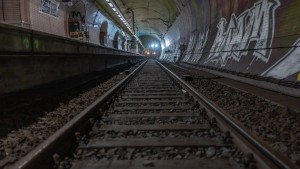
[[22, 108]]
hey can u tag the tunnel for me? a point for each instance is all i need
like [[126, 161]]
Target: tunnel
[[242, 36], [217, 61]]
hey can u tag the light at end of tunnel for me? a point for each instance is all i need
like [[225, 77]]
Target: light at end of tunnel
[[156, 45]]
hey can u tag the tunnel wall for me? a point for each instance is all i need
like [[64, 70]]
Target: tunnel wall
[[251, 36], [30, 58]]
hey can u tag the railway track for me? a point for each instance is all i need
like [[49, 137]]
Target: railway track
[[152, 119]]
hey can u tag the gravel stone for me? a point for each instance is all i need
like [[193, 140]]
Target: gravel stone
[[29, 137], [210, 152]]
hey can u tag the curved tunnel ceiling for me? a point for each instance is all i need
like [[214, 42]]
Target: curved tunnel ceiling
[[151, 17]]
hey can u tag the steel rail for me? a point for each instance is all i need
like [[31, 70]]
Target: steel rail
[[281, 164], [46, 149]]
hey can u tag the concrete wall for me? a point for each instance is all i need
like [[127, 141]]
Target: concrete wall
[[251, 36], [28, 14], [30, 58], [46, 23]]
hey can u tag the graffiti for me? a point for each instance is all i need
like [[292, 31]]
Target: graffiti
[[78, 15], [36, 43], [26, 42], [287, 65], [191, 46], [203, 37], [253, 29]]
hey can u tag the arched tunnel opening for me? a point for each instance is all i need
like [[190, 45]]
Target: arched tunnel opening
[[103, 33], [152, 46], [116, 40]]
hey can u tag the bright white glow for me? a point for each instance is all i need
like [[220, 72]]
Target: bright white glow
[[168, 43], [156, 45], [152, 45], [110, 4], [117, 12], [119, 16], [114, 9], [162, 46], [107, 0], [154, 53]]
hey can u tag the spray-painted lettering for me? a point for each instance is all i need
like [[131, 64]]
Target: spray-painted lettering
[[253, 29], [190, 47], [78, 15], [200, 46]]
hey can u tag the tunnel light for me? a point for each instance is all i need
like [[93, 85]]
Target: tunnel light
[[154, 53], [111, 5], [154, 45], [114, 9], [107, 0]]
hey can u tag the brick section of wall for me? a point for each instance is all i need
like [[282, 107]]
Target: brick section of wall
[[47, 23], [10, 11], [1, 10]]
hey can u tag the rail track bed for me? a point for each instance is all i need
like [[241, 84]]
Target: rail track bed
[[154, 121]]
